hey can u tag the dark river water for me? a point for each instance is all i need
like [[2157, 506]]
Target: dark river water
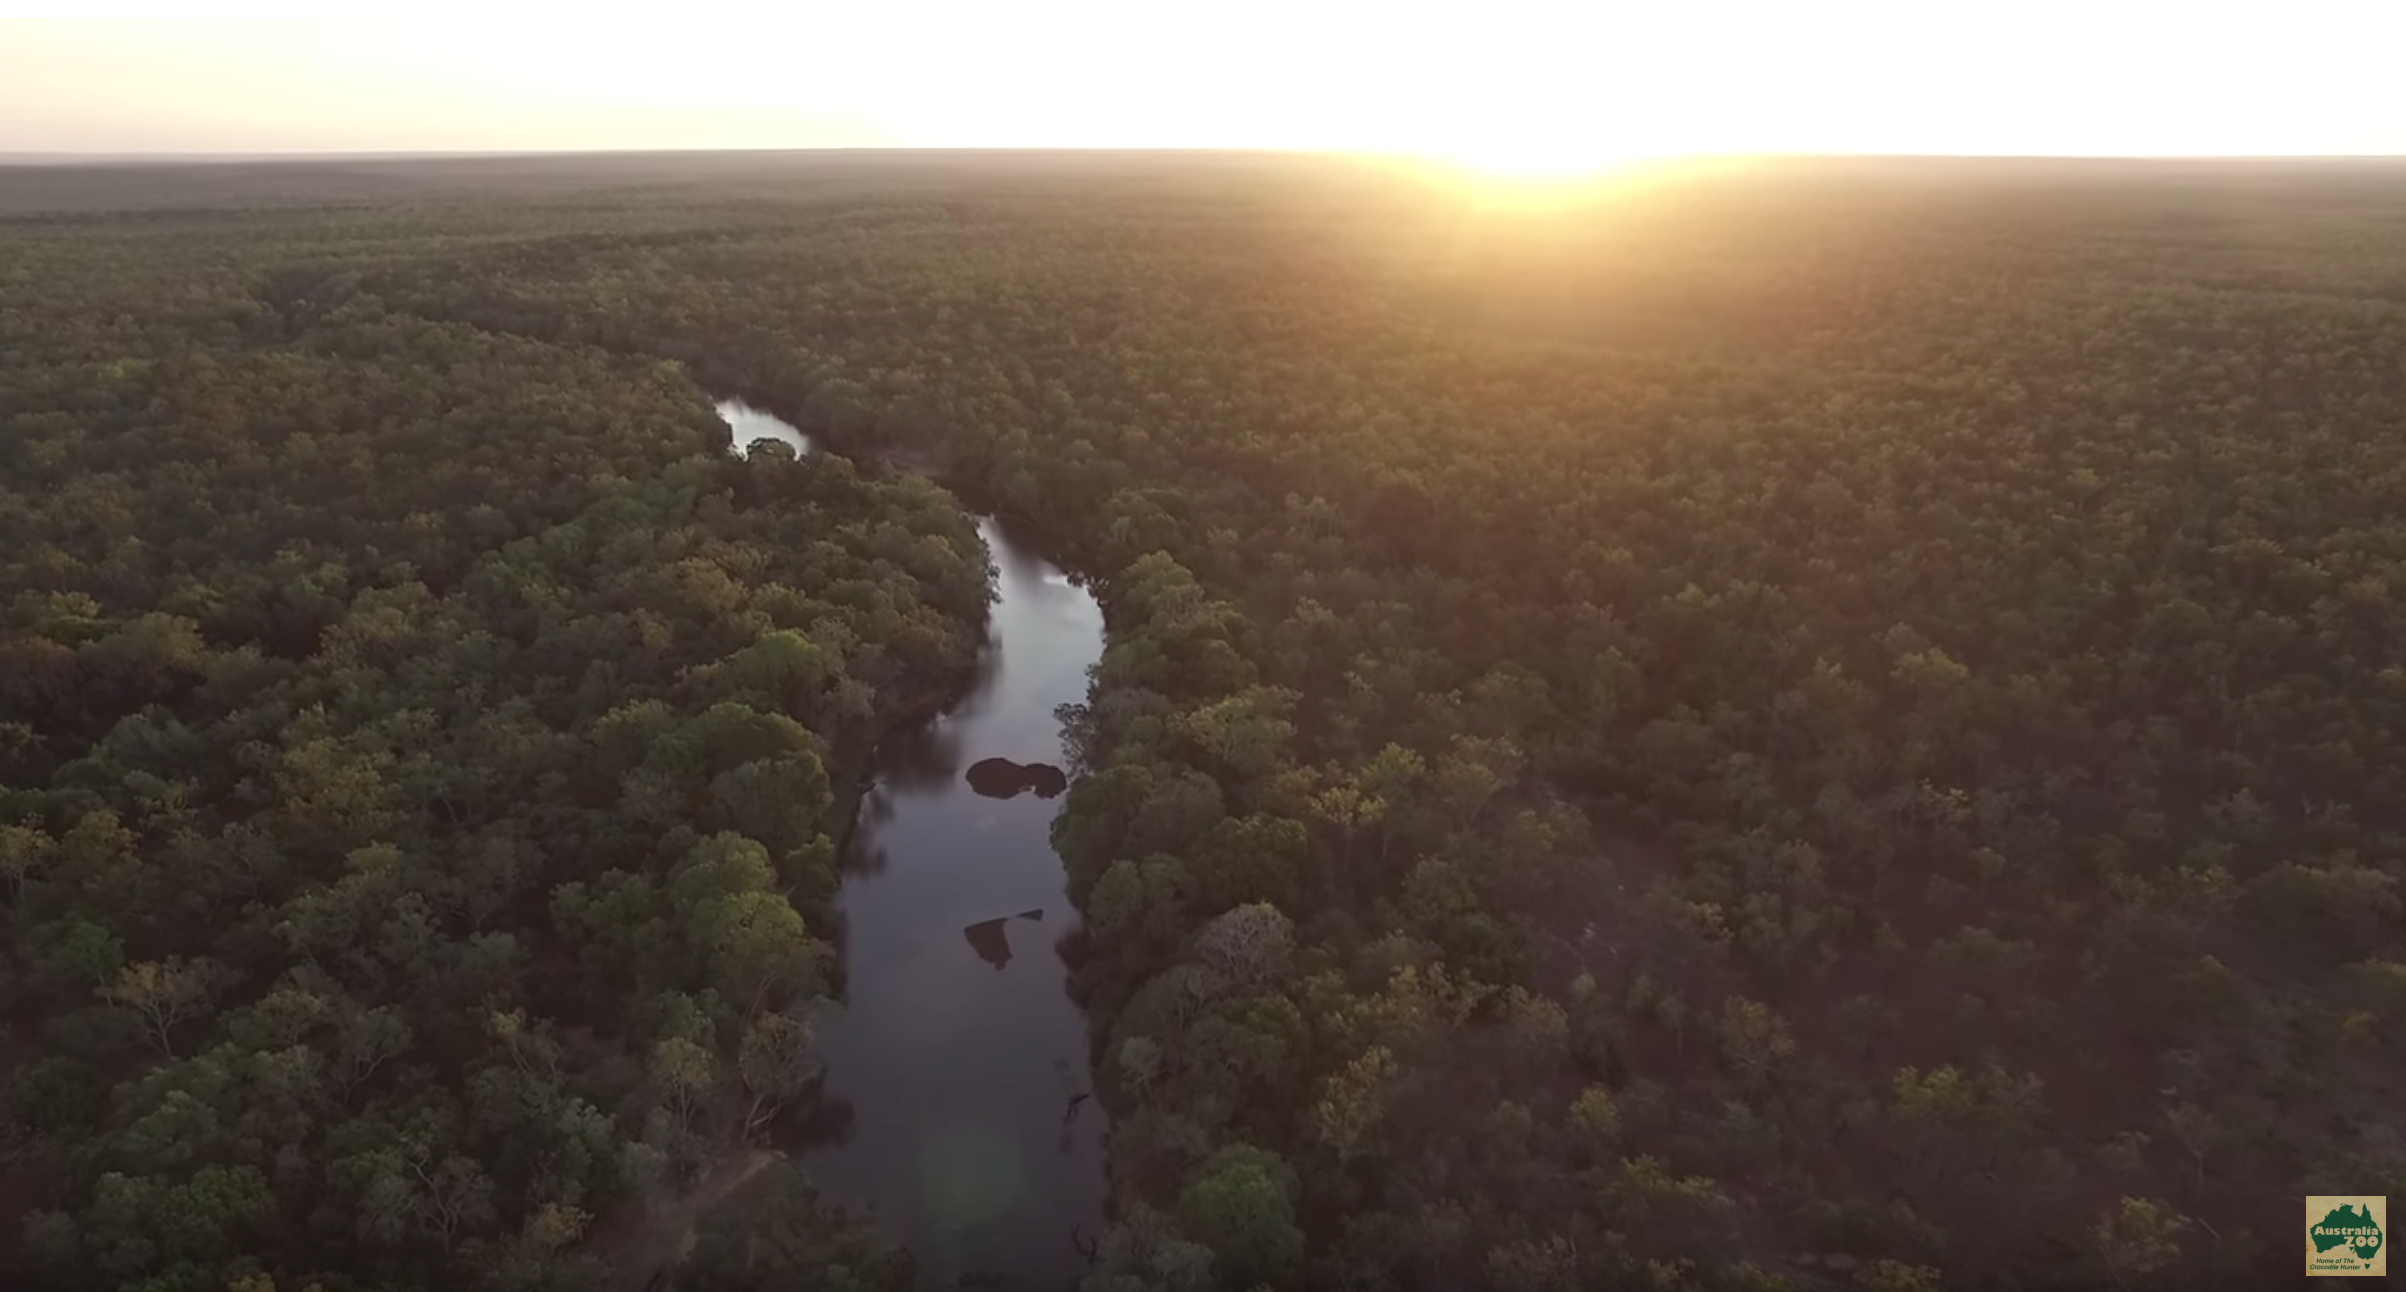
[[957, 1070]]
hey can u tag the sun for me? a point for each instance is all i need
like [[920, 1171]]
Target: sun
[[1520, 172], [1537, 159], [1527, 143], [1541, 159]]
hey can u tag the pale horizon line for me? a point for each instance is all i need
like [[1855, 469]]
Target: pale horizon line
[[67, 157]]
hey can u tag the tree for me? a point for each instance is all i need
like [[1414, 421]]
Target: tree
[[1242, 734], [164, 994], [1550, 1264], [1256, 858], [1596, 1118], [138, 1224], [778, 1059], [1352, 1102], [1137, 1062], [1240, 1204], [451, 1199], [1470, 775], [1246, 945], [683, 1075], [23, 851], [777, 801], [79, 954], [1897, 1276], [1755, 1039], [2138, 1238], [365, 1041], [759, 952], [1143, 1251], [1140, 907], [1391, 777], [1347, 807]]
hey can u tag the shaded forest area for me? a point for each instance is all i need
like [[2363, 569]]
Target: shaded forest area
[[1818, 726]]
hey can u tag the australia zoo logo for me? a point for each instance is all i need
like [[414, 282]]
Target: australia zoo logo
[[2347, 1235]]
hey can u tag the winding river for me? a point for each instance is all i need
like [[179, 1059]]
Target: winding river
[[957, 1071]]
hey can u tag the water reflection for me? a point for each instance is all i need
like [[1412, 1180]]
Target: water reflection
[[1000, 778], [747, 425], [920, 758], [991, 939], [827, 1120]]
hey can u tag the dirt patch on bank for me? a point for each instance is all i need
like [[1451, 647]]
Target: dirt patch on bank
[[654, 1237]]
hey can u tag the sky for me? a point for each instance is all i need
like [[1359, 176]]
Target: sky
[[1525, 83]]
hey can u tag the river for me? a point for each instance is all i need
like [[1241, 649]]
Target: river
[[959, 1061]]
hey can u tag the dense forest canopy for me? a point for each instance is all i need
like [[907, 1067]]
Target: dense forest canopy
[[1829, 725]]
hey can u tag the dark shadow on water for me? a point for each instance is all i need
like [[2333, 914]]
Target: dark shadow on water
[[1000, 778], [925, 757], [991, 939], [824, 1120]]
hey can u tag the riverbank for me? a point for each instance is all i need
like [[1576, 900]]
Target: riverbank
[[651, 1238], [933, 466], [956, 1104], [855, 775]]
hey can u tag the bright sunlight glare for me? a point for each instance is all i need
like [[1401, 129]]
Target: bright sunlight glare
[[1540, 160], [1530, 98], [1513, 89]]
